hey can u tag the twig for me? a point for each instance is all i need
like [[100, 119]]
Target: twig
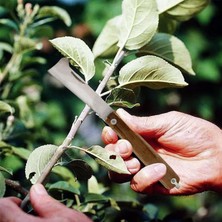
[[16, 186], [76, 124]]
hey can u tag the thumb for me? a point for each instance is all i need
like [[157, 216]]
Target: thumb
[[148, 176], [42, 203], [153, 126]]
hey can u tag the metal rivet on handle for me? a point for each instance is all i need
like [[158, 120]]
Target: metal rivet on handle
[[174, 182], [113, 121]]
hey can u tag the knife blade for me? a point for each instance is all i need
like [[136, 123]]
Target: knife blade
[[143, 150]]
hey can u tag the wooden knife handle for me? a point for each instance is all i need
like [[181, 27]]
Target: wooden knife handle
[[144, 151]]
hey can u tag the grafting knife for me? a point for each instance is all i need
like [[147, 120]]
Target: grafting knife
[[144, 152]]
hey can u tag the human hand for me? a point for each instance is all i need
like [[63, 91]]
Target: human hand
[[46, 208], [190, 145]]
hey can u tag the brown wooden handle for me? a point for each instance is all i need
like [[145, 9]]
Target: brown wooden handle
[[144, 151]]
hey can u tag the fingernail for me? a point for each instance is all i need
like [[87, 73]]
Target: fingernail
[[109, 135], [160, 169], [121, 111], [39, 189], [122, 147]]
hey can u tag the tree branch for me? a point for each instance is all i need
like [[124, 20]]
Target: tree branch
[[76, 124], [16, 186]]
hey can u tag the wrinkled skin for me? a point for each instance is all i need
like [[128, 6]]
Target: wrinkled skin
[[47, 209], [190, 145]]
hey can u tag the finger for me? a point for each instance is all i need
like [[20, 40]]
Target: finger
[[133, 165], [152, 126], [148, 176], [47, 207], [42, 203], [10, 211], [108, 135], [122, 147], [15, 200]]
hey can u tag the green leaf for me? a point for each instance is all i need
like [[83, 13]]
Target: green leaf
[[95, 187], [64, 187], [5, 146], [25, 112], [80, 168], [96, 198], [6, 47], [37, 161], [171, 49], [21, 152], [110, 160], [78, 53], [187, 9], [24, 44], [55, 11], [167, 24], [66, 174], [9, 5], [122, 97], [30, 61], [2, 185], [152, 72], [9, 23], [6, 108], [167, 4], [139, 23], [3, 169], [106, 43]]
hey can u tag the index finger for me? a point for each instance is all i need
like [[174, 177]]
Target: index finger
[[108, 135]]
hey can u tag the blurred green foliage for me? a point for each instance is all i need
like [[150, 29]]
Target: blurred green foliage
[[44, 112]]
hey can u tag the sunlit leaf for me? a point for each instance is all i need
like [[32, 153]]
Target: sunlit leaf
[[110, 160], [37, 161], [95, 187], [152, 72], [6, 108], [187, 9], [139, 23], [122, 97], [171, 49], [55, 11], [106, 43], [78, 53], [64, 186], [2, 185]]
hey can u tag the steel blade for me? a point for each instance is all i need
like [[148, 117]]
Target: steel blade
[[62, 72]]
